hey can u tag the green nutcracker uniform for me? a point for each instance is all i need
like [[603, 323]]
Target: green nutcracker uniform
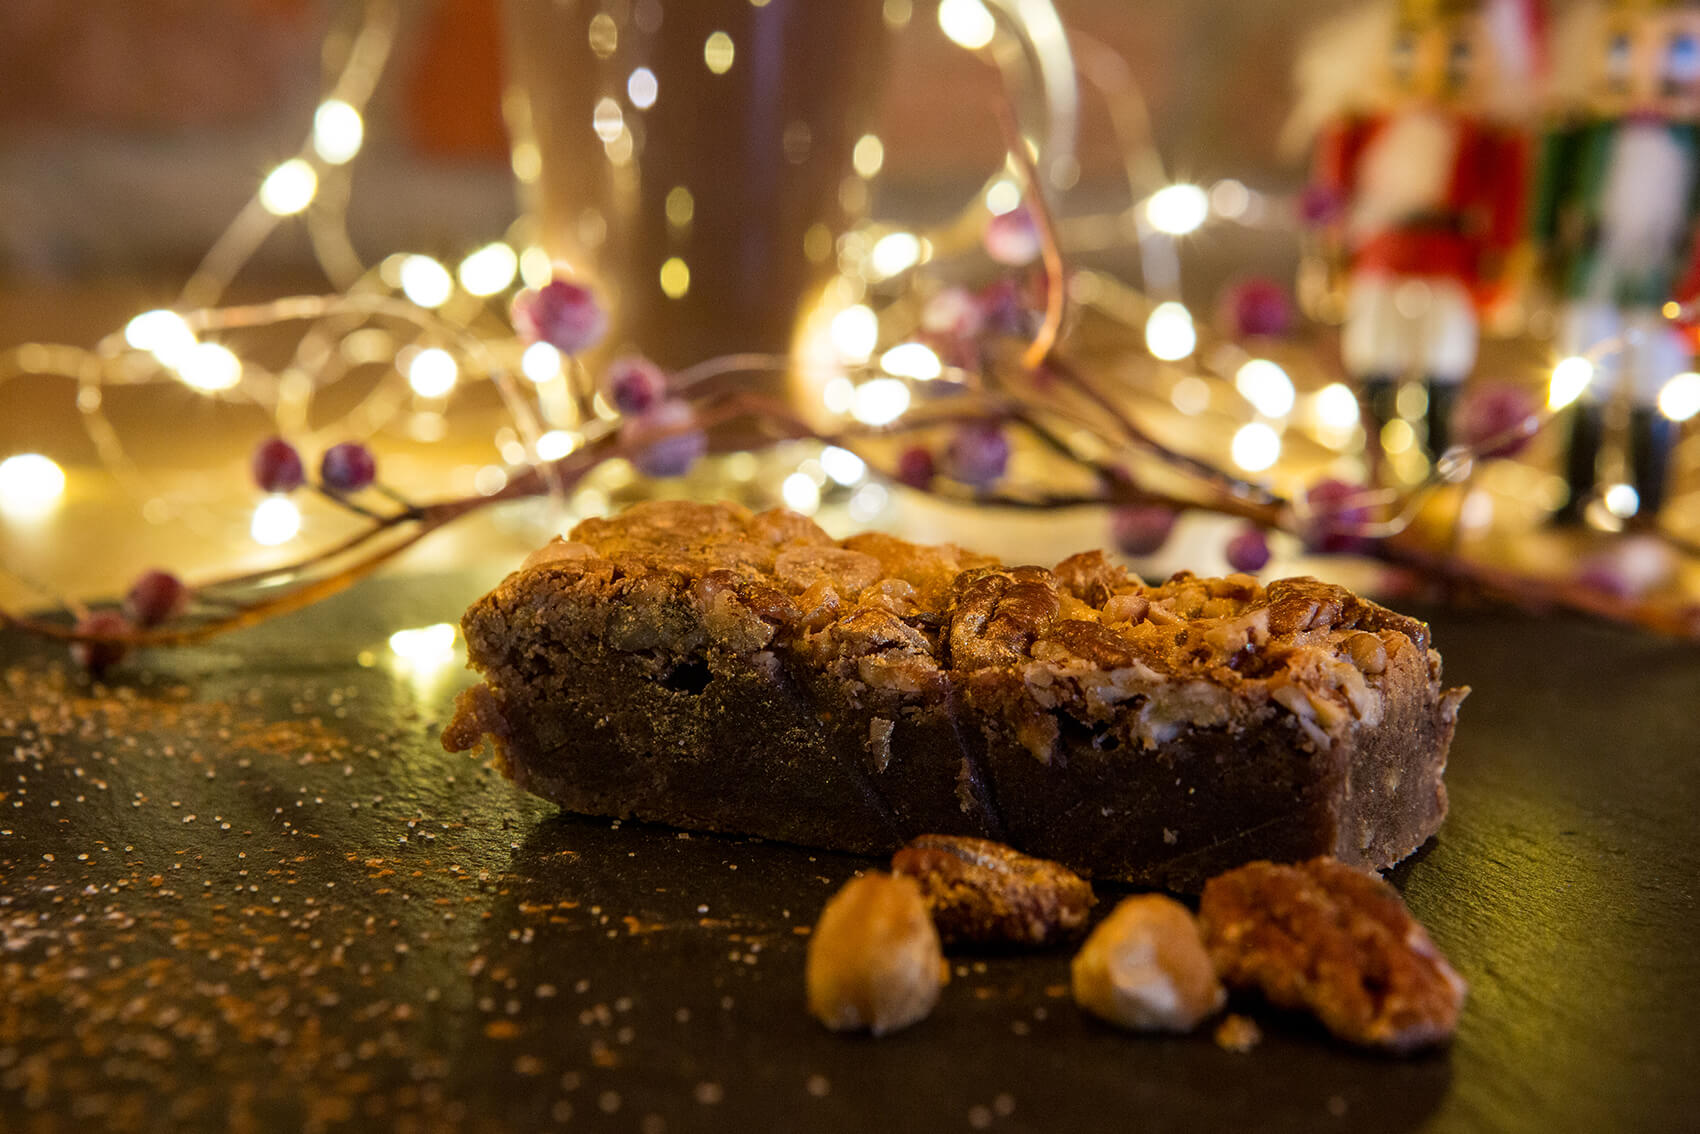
[[1615, 202]]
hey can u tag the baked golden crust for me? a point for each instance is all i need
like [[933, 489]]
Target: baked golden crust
[[1085, 636]]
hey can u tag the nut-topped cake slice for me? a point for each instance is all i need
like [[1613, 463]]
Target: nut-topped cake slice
[[710, 668]]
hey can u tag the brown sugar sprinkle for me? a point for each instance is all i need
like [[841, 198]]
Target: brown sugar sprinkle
[[1238, 1034]]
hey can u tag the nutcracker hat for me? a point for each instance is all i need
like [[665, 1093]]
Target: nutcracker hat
[[1517, 27]]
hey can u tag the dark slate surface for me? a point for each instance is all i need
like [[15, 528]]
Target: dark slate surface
[[252, 893]]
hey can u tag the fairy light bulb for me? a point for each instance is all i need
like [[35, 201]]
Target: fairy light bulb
[[880, 401], [289, 188], [1336, 406], [967, 23], [426, 282], [425, 645], [541, 362], [1680, 398], [1266, 386], [1255, 447], [31, 485], [869, 155], [164, 334], [489, 270], [276, 521], [1169, 334], [642, 88], [855, 332], [894, 253], [912, 360], [432, 373], [1177, 209], [209, 367], [843, 466], [717, 53], [801, 493], [338, 131], [1570, 378]]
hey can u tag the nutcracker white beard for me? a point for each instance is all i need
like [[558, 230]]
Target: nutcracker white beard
[[1642, 203], [1405, 171]]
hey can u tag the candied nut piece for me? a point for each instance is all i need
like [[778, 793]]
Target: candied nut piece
[[1337, 941], [874, 959], [1145, 968], [984, 893]]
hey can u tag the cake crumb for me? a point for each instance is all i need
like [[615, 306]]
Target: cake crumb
[[1238, 1034]]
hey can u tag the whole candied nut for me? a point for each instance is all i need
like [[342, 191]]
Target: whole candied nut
[[1145, 968], [1336, 941], [874, 960], [985, 893]]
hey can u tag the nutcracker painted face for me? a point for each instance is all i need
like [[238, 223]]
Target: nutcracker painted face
[[1442, 54], [1650, 60]]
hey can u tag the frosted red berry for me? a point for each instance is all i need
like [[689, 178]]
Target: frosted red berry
[[977, 454], [1141, 529], [564, 314], [1255, 307], [916, 467], [1012, 238], [1495, 420], [663, 441], [1248, 551], [156, 597], [98, 657], [277, 466], [634, 385], [1338, 514], [347, 467]]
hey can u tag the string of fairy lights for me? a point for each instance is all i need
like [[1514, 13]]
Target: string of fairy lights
[[433, 328]]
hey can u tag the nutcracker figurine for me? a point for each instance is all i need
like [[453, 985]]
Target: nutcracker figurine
[[1421, 194], [1615, 206]]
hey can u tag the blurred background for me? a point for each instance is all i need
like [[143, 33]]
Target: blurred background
[[131, 133]]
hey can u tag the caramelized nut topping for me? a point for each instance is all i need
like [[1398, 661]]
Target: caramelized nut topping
[[874, 960], [1336, 941], [985, 893], [1145, 968]]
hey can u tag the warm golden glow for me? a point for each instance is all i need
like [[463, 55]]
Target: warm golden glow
[[967, 23], [1256, 447], [642, 88], [30, 486], [289, 188], [868, 156], [717, 53], [604, 35], [276, 521], [681, 206], [607, 120], [1680, 399], [210, 367], [338, 131], [1266, 386], [1177, 209], [675, 277], [1570, 379], [432, 373], [426, 282], [1169, 333], [489, 270]]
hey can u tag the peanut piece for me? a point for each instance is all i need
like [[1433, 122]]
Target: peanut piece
[[874, 959], [1145, 968]]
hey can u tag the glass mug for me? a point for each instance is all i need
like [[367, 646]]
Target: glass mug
[[695, 160]]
